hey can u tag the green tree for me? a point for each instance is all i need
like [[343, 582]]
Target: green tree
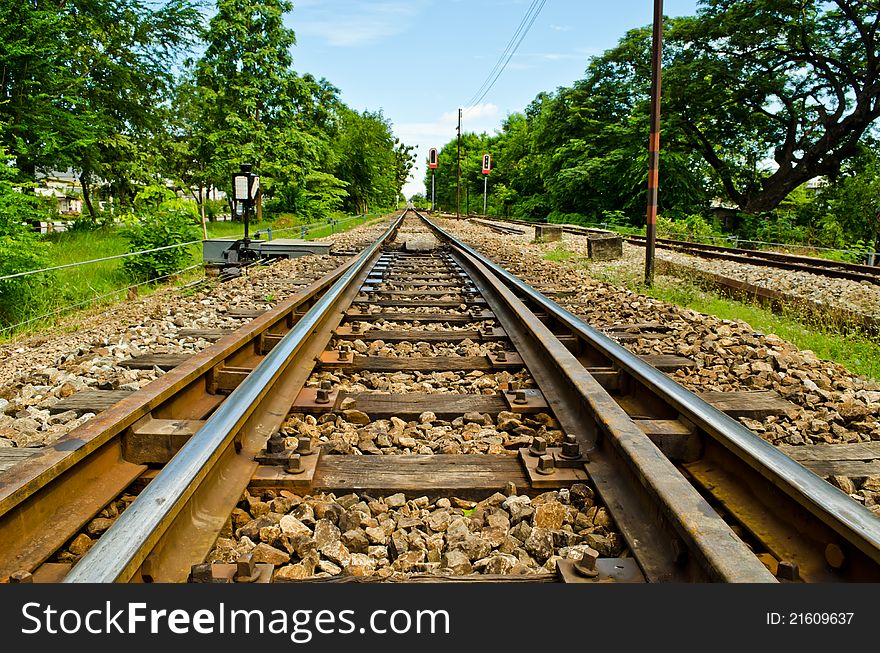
[[366, 158], [244, 79], [83, 82], [792, 81]]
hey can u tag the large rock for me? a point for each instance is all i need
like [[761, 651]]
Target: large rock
[[396, 500], [521, 531], [301, 545], [456, 561], [356, 540], [356, 416], [550, 515], [269, 554], [80, 544], [325, 532], [409, 561], [291, 573], [439, 521], [498, 563], [376, 535], [337, 552], [293, 527], [474, 546], [540, 543], [458, 530]]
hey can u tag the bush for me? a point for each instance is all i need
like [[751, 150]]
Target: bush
[[167, 227], [534, 209], [22, 297], [693, 227], [21, 250]]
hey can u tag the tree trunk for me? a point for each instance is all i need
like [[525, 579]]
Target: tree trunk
[[87, 198]]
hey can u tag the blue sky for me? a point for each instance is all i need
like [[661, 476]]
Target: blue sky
[[420, 60]]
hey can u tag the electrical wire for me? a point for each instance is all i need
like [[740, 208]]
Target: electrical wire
[[504, 52], [518, 36]]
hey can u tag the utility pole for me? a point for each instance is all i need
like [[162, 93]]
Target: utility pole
[[654, 144], [458, 192]]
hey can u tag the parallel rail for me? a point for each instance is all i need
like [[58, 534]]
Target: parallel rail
[[794, 262], [815, 524], [661, 487], [68, 483]]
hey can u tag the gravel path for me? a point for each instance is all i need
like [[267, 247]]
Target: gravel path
[[831, 405], [37, 371]]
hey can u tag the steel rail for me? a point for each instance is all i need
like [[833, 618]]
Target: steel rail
[[122, 549], [632, 474], [794, 262], [850, 520], [779, 261], [70, 481], [751, 254]]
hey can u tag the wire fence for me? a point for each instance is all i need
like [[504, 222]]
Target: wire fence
[[98, 260], [303, 229], [336, 226], [97, 298]]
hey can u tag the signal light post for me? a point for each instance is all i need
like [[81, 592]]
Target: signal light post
[[487, 168], [245, 187], [432, 164]]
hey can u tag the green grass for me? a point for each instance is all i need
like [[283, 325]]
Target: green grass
[[559, 254], [81, 284], [858, 353]]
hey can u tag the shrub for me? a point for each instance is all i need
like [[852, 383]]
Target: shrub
[[22, 297], [167, 227], [693, 227], [21, 250]]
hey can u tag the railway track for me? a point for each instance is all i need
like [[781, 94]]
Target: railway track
[[810, 264], [420, 411]]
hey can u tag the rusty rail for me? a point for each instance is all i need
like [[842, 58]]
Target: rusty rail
[[830, 536], [175, 520]]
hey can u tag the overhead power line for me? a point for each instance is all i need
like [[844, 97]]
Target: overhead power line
[[521, 31]]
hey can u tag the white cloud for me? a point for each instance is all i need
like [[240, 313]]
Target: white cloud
[[425, 135]]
